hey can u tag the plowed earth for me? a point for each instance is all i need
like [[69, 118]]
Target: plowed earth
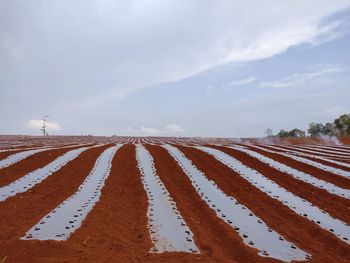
[[117, 228]]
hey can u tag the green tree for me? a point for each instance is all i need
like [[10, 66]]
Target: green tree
[[296, 133], [342, 124], [329, 129], [283, 133], [315, 129]]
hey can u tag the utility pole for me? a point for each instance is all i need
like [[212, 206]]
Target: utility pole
[[43, 128]]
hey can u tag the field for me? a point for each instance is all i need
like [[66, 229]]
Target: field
[[127, 199]]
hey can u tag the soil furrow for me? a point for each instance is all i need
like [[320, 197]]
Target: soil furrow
[[307, 235], [116, 228], [324, 151], [318, 173], [168, 230], [335, 205], [319, 159], [22, 211], [36, 161], [325, 162], [217, 241], [312, 152]]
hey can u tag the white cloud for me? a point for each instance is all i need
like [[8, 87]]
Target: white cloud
[[174, 128], [314, 72], [240, 82], [330, 32], [140, 43], [37, 124], [168, 129], [150, 131], [102, 51]]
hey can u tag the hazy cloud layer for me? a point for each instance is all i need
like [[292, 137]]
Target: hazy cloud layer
[[316, 72], [172, 129], [38, 124], [239, 82], [78, 59]]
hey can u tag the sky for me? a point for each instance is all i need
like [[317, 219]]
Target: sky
[[211, 68]]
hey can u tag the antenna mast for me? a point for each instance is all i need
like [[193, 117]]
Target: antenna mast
[[43, 128]]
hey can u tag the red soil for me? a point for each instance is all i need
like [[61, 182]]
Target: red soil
[[21, 212], [321, 244], [318, 160], [209, 231], [316, 172], [333, 204], [305, 140], [36, 161], [116, 229]]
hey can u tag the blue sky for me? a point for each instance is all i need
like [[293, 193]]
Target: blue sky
[[185, 68]]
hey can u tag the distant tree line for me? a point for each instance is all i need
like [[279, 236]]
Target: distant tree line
[[339, 127], [291, 133]]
